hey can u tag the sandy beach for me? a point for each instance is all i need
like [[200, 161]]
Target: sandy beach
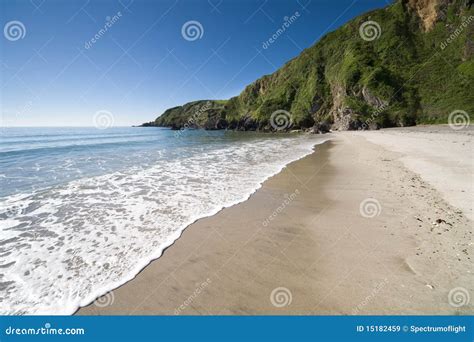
[[370, 223]]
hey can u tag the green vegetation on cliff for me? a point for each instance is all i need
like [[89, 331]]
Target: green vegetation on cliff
[[418, 69]]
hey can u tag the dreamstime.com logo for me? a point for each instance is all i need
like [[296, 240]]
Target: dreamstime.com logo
[[459, 296], [192, 30], [287, 22], [14, 30], [373, 116], [457, 32], [370, 297], [281, 120], [109, 22], [370, 208], [288, 199], [370, 30], [46, 330], [103, 119], [193, 120], [458, 119], [281, 297], [105, 300], [200, 287]]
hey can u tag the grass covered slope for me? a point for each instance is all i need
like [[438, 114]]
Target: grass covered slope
[[205, 114], [415, 65]]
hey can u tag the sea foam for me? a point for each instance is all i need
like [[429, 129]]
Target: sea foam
[[62, 247]]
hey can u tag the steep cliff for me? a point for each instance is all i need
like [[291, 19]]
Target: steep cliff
[[411, 62]]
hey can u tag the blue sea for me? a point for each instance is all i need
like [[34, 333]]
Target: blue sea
[[83, 210]]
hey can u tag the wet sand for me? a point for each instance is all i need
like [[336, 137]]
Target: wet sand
[[346, 230]]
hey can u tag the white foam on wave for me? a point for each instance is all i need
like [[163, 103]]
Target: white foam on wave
[[63, 247]]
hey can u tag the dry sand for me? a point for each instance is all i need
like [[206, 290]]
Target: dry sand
[[443, 157], [304, 238]]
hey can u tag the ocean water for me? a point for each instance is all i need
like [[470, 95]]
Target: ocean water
[[83, 210]]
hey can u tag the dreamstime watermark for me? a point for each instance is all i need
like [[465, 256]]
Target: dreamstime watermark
[[459, 296], [457, 32], [193, 296], [103, 119], [370, 208], [373, 116], [458, 119], [47, 329], [281, 120], [281, 207], [14, 30], [281, 297], [193, 120], [287, 22], [192, 30], [370, 30], [370, 297], [109, 22], [105, 300]]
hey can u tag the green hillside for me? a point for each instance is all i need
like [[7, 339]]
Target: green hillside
[[418, 69]]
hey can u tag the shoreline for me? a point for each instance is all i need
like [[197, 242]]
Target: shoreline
[[232, 263], [106, 297], [100, 230], [140, 267]]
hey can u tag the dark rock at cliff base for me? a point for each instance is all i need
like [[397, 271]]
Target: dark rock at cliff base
[[320, 128]]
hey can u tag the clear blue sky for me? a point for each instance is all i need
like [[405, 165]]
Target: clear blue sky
[[142, 65]]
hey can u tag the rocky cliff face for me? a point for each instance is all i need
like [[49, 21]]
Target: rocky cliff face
[[429, 11], [411, 62]]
